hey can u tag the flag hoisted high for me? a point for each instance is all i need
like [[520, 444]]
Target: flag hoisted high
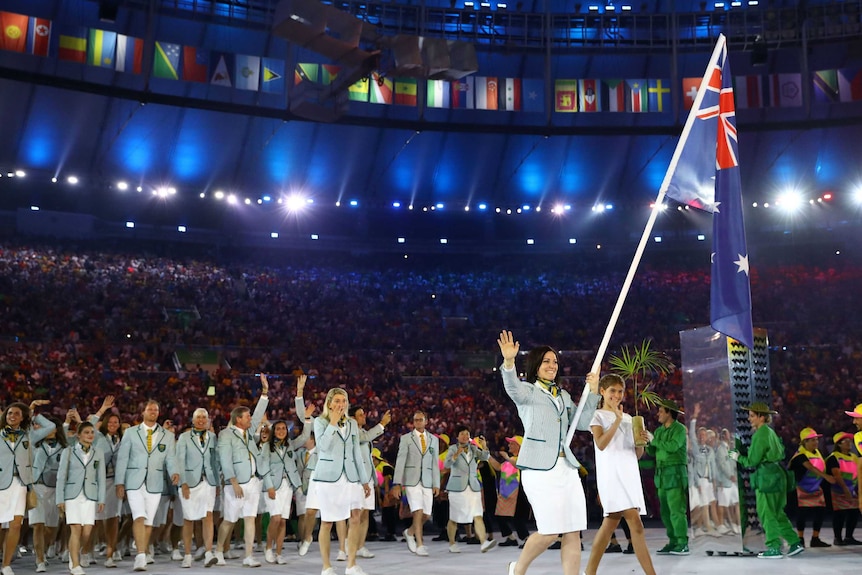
[[704, 173]]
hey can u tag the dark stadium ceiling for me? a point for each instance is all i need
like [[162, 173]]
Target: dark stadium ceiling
[[61, 119]]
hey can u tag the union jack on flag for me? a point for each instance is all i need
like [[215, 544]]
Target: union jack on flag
[[704, 173]]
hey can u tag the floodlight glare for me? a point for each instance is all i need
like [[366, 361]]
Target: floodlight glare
[[573, 241], [483, 206], [274, 235], [790, 201], [231, 199], [530, 241], [130, 224], [72, 180], [267, 198], [466, 208], [202, 195], [354, 203], [401, 240], [54, 180], [34, 208], [247, 201], [599, 208], [295, 203], [219, 195], [857, 195], [444, 241], [657, 239], [701, 237], [122, 186], [181, 229], [525, 207], [396, 204], [140, 188], [315, 237], [439, 205], [20, 173]]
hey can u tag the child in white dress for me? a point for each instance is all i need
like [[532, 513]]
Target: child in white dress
[[617, 474]]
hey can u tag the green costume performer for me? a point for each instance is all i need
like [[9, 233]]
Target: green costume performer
[[770, 483], [668, 446]]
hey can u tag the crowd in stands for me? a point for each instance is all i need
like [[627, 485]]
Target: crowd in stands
[[78, 322]]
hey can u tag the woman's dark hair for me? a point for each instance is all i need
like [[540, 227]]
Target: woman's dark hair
[[459, 429], [103, 425], [25, 412], [60, 436], [272, 441], [534, 360]]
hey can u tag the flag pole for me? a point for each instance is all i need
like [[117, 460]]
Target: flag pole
[[603, 346]]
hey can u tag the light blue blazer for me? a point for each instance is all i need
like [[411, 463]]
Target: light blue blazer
[[195, 461], [546, 421], [108, 448], [74, 476], [464, 467], [336, 454], [413, 466], [235, 453], [46, 462], [282, 461], [137, 468], [366, 439], [15, 459]]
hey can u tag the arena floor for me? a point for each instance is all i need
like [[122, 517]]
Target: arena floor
[[395, 559]]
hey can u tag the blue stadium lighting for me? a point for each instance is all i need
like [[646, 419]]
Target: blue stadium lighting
[[139, 189], [657, 239], [247, 201], [444, 241], [425, 208], [498, 210], [466, 208], [354, 203], [410, 207], [790, 201], [573, 241], [54, 180], [20, 173], [231, 199], [72, 180], [315, 237], [538, 209], [202, 195], [181, 229], [439, 205], [337, 204], [610, 8], [468, 4], [558, 209], [626, 8], [122, 186], [259, 202], [267, 198], [130, 225], [857, 195], [502, 6], [753, 2], [219, 195], [509, 212], [766, 204], [309, 201], [735, 4], [402, 240], [295, 203], [483, 207], [485, 5], [34, 208], [530, 241], [609, 207], [701, 237], [526, 207], [274, 235], [719, 5], [594, 8], [599, 208], [396, 204]]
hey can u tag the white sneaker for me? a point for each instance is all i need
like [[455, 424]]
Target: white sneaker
[[199, 553], [8, 571], [269, 556], [209, 559], [364, 553], [232, 554], [488, 545], [64, 556], [110, 563], [422, 551], [41, 567], [355, 570], [219, 557], [454, 548], [140, 562], [342, 556], [86, 559], [51, 552], [411, 541], [327, 571], [78, 571], [281, 560], [177, 555], [303, 547], [187, 562], [150, 559], [117, 556], [250, 562]]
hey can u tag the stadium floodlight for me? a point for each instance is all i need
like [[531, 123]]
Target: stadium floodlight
[[20, 173], [274, 235], [701, 237], [72, 180], [354, 203], [34, 208], [530, 241], [231, 199], [790, 201], [396, 204], [295, 202], [122, 186], [573, 241], [219, 195], [444, 241], [315, 237], [181, 229], [401, 240], [130, 225]]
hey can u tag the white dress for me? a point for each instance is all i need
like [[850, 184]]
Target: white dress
[[617, 474]]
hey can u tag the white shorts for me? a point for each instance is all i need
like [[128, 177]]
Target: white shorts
[[557, 498], [465, 505], [368, 502], [47, 511], [707, 491], [112, 504], [246, 506], [337, 499], [12, 501], [419, 497], [694, 497], [80, 510], [200, 502], [283, 498], [144, 504], [727, 496]]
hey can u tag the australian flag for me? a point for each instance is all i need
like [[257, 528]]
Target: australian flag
[[704, 173]]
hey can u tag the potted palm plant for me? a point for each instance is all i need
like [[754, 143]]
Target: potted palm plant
[[633, 364]]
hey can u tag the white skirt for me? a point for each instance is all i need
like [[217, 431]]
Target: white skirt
[[47, 511], [335, 500], [465, 506], [12, 501], [283, 498], [557, 498], [200, 502], [80, 510]]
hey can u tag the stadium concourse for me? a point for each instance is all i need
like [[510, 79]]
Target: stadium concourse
[[393, 558]]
